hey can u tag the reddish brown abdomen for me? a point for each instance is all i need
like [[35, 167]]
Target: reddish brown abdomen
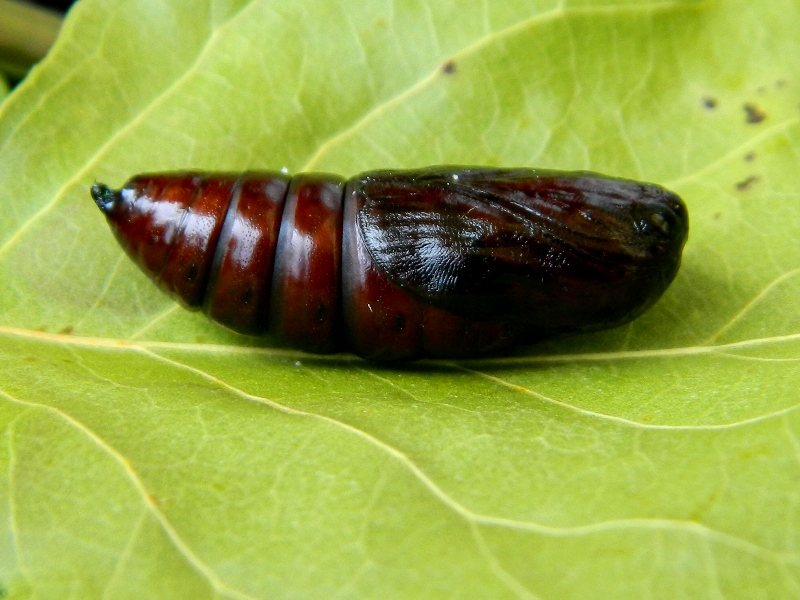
[[240, 283], [188, 265], [207, 240], [170, 224], [306, 291], [147, 214]]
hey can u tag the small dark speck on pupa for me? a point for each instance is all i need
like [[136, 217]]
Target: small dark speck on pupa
[[192, 274], [781, 83], [67, 330], [717, 216], [750, 156], [754, 114], [745, 185], [449, 67], [710, 103], [322, 313]]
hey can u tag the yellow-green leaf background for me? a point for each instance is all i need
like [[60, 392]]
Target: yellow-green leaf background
[[146, 453]]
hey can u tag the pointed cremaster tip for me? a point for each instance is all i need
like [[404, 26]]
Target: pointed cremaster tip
[[104, 196]]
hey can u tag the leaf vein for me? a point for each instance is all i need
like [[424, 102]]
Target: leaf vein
[[202, 568], [511, 582], [467, 514], [750, 304], [14, 525], [121, 344], [127, 552], [774, 130], [630, 422]]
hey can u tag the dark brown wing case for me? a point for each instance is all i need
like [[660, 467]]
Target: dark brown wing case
[[558, 251]]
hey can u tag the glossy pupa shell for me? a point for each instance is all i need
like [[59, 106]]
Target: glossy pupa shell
[[398, 265]]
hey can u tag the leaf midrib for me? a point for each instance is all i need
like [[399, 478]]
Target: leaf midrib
[[202, 347], [480, 368]]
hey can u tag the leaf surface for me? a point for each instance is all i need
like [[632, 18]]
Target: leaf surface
[[151, 454]]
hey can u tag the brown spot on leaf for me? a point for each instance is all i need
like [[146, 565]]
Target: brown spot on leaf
[[449, 67], [745, 185], [754, 114], [749, 157], [30, 359], [781, 83], [66, 330], [717, 216], [710, 103]]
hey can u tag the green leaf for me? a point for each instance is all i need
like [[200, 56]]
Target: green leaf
[[150, 454]]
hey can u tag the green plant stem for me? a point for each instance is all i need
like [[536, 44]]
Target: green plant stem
[[26, 33]]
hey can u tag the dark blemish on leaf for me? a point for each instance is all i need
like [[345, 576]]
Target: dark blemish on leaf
[[67, 330], [781, 83], [199, 339], [749, 157], [717, 216], [449, 67], [30, 359], [710, 103], [745, 185], [761, 90], [42, 328], [754, 114]]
